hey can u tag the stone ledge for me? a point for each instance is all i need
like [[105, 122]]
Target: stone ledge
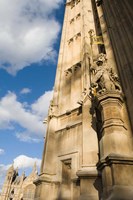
[[110, 94], [68, 127], [112, 124], [44, 178], [114, 159], [84, 173]]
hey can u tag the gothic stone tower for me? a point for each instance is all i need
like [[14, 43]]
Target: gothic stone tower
[[17, 187], [88, 151], [12, 185]]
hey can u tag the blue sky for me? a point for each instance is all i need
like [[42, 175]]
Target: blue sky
[[29, 43]]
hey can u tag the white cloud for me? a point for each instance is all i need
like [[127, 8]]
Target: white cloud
[[27, 32], [40, 107], [25, 91], [25, 137], [2, 151], [14, 111], [3, 168], [23, 162], [28, 117]]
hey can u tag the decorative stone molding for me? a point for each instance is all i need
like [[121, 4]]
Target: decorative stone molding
[[52, 108], [68, 71], [72, 3], [45, 178], [70, 41], [85, 173], [114, 159], [74, 38], [72, 69], [69, 126], [77, 35], [78, 16], [68, 112], [75, 18], [72, 20]]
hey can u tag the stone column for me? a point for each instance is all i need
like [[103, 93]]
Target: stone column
[[116, 161], [90, 184], [88, 174], [118, 16]]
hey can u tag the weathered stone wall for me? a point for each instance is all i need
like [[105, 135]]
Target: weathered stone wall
[[118, 15]]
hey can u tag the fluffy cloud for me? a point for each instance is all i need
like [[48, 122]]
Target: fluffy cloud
[[13, 110], [40, 107], [25, 91], [28, 117], [3, 169], [28, 31], [25, 137], [2, 151], [23, 162]]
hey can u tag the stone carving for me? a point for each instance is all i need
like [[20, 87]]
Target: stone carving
[[83, 96], [68, 71], [52, 109], [99, 2], [103, 77], [70, 40], [72, 69], [75, 37], [78, 15], [74, 2], [72, 20]]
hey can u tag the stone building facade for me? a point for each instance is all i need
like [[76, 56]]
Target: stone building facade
[[18, 187], [88, 152]]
